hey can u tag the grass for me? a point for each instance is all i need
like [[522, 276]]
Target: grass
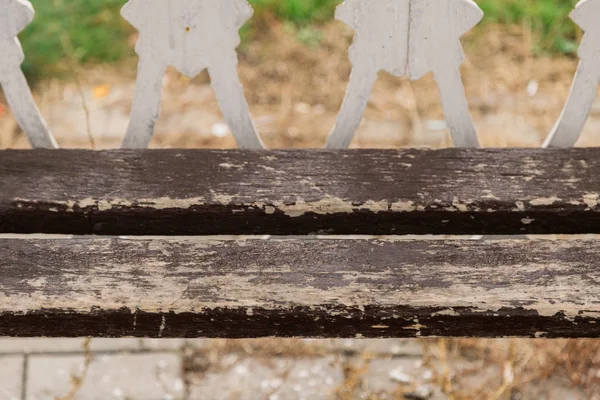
[[548, 20], [92, 30], [297, 11]]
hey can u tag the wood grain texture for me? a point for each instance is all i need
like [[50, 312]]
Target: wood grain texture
[[201, 192], [310, 288]]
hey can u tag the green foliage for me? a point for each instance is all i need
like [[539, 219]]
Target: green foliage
[[80, 30], [548, 20], [93, 31], [298, 11]]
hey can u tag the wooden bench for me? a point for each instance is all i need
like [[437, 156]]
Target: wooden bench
[[302, 281], [255, 243]]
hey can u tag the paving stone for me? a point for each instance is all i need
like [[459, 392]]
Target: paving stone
[[115, 345], [41, 345], [385, 377], [395, 347], [11, 377], [170, 344], [115, 376], [321, 347], [473, 376], [554, 389], [272, 379]]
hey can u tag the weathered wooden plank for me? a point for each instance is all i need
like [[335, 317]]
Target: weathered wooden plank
[[198, 192], [312, 288]]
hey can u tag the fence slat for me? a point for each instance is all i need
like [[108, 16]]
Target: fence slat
[[571, 122], [191, 36], [310, 288], [411, 37], [196, 192], [15, 15]]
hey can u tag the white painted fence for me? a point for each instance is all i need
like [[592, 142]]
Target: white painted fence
[[15, 15], [402, 37]]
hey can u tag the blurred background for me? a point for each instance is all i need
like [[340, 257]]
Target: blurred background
[[294, 66]]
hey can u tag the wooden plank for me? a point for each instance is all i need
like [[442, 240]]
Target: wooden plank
[[312, 288], [206, 192]]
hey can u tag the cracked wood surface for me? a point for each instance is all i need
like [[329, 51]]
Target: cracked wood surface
[[313, 288], [298, 192]]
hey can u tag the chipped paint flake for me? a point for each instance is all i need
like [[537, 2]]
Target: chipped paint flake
[[487, 194], [376, 206], [449, 312], [520, 206], [403, 206], [458, 205], [544, 201], [229, 165], [591, 199], [270, 210], [163, 325]]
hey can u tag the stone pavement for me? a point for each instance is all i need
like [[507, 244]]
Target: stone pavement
[[65, 369], [40, 369], [267, 369]]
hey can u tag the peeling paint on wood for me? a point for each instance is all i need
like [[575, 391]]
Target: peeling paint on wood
[[381, 192], [313, 288]]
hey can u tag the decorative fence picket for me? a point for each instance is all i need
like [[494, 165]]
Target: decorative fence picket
[[408, 36], [191, 36], [15, 15], [402, 37], [570, 125]]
